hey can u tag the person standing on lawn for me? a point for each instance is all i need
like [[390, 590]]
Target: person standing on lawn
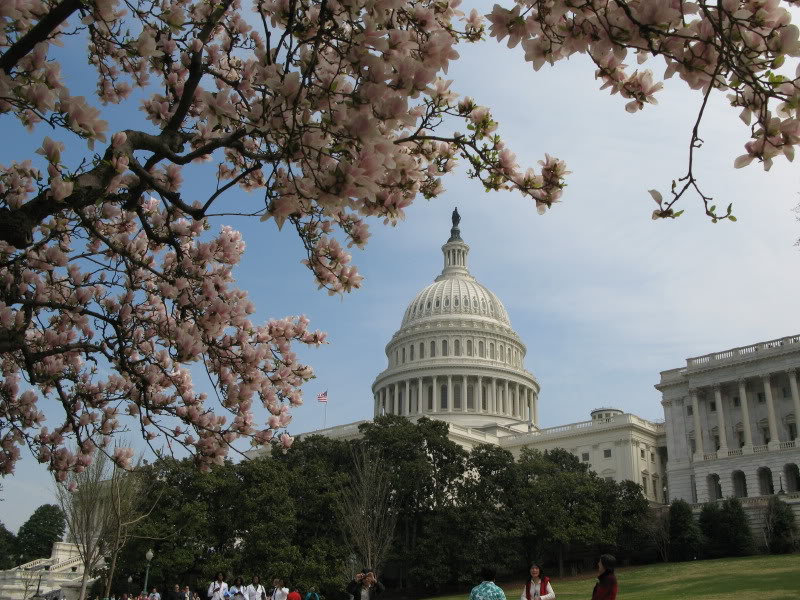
[[538, 586], [487, 589], [606, 586]]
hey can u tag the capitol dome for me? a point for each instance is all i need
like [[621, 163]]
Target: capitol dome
[[455, 356]]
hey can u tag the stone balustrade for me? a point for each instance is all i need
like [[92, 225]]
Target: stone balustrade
[[766, 348]]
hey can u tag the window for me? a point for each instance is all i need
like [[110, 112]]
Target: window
[[469, 347], [736, 402], [421, 350], [396, 358], [411, 353], [444, 348], [689, 411], [480, 349], [652, 457], [437, 303], [785, 392], [500, 352], [713, 406], [716, 442], [607, 453], [761, 398], [585, 457], [693, 445], [457, 348], [608, 478], [642, 452], [491, 350], [792, 431], [644, 484], [740, 437], [765, 434], [455, 301], [433, 349], [404, 355]]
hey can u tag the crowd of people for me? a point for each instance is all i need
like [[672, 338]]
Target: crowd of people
[[219, 589], [365, 586]]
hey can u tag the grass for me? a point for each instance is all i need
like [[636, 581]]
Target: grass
[[762, 577]]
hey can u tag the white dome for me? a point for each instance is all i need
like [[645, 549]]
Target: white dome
[[455, 357], [456, 296]]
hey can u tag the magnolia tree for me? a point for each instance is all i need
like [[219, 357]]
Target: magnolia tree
[[115, 284]]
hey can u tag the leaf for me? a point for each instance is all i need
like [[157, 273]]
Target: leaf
[[657, 195]]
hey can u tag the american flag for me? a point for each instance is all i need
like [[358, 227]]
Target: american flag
[[323, 397]]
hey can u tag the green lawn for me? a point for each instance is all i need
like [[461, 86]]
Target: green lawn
[[762, 577]]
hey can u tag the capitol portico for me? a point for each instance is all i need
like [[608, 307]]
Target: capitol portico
[[731, 421], [455, 357]]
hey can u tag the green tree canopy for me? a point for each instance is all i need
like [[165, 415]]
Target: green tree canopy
[[44, 527]]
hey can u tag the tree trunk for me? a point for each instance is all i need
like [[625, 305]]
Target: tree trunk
[[112, 568], [84, 578], [561, 561]]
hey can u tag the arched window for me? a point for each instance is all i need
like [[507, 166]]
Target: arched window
[[508, 355], [457, 348], [443, 396], [714, 488], [792, 477], [500, 354], [404, 355], [447, 301], [491, 350], [470, 397], [411, 352], [455, 301], [430, 398], [437, 303], [421, 350], [396, 358], [444, 348], [469, 347], [739, 484], [480, 349], [466, 301], [433, 349], [765, 485]]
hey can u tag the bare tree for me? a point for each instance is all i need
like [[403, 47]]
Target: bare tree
[[102, 505], [127, 511], [84, 499], [365, 509]]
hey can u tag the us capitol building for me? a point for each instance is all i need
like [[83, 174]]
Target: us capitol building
[[730, 425]]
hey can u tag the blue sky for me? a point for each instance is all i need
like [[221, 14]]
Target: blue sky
[[603, 296]]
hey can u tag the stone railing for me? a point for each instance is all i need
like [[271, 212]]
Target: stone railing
[[39, 562], [611, 422], [741, 451], [66, 564], [770, 347], [673, 375]]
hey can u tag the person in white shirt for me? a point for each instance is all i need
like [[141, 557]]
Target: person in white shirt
[[218, 587], [238, 590], [255, 591], [278, 591], [538, 586]]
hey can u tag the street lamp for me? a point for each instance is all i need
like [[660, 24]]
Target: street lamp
[[130, 581], [149, 557]]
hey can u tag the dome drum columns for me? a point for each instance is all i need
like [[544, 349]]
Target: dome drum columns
[[458, 393]]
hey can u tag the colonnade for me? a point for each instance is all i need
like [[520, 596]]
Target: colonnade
[[474, 394], [765, 382]]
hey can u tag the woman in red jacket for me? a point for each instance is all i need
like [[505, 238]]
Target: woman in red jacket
[[538, 586], [606, 586]]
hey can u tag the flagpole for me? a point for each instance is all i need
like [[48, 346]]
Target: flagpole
[[325, 416]]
